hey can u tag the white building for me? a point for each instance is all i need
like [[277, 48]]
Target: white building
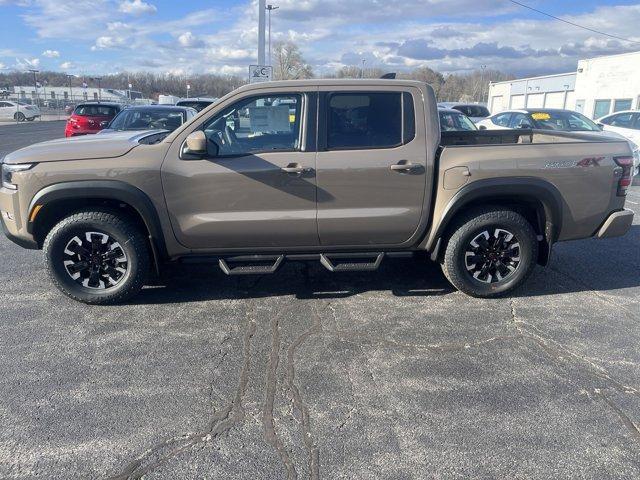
[[75, 93], [599, 86]]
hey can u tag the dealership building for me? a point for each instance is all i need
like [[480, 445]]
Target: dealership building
[[600, 86]]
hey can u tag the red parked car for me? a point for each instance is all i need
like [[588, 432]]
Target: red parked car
[[90, 118]]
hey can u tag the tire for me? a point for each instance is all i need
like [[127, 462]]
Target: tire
[[19, 117], [31, 119], [97, 257], [490, 267]]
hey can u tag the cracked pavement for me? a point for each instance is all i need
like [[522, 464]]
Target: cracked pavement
[[308, 374]]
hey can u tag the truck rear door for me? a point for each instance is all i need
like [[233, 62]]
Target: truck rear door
[[372, 170]]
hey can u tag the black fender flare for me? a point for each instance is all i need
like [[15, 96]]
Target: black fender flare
[[107, 190], [511, 188]]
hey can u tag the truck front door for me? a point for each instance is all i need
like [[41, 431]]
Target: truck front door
[[256, 187], [372, 166]]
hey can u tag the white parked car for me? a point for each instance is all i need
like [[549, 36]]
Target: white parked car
[[18, 111], [626, 124]]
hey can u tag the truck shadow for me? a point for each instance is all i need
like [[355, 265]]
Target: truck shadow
[[586, 265], [193, 283]]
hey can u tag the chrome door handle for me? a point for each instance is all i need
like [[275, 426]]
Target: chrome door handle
[[405, 167], [294, 168]]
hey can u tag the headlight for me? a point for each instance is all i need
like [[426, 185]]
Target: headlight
[[9, 170]]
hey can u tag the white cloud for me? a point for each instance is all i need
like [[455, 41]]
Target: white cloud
[[106, 42], [2, 66], [189, 40], [51, 54], [66, 65], [136, 7]]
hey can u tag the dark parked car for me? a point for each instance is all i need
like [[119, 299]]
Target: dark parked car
[[475, 111], [455, 121], [150, 117], [198, 104]]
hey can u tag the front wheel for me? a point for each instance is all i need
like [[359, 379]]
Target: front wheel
[[490, 252], [19, 117], [97, 257]]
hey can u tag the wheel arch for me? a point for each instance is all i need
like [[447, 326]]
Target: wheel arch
[[59, 200], [537, 200]]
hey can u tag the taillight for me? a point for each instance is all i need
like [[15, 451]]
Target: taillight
[[626, 163]]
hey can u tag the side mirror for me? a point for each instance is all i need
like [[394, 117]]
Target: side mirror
[[482, 127], [196, 143], [601, 126], [104, 124], [525, 126]]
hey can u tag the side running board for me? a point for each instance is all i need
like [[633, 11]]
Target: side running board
[[351, 262], [251, 265]]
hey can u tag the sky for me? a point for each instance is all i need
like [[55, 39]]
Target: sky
[[214, 36]]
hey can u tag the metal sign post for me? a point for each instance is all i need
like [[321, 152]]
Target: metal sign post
[[260, 73]]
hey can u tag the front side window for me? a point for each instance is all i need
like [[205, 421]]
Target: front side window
[[256, 125], [521, 120], [359, 121], [623, 120]]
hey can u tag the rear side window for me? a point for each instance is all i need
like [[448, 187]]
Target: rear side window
[[367, 120], [96, 110]]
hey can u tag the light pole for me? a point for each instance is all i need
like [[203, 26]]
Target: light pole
[[482, 69], [69, 77], [362, 70], [35, 81], [270, 8], [99, 79]]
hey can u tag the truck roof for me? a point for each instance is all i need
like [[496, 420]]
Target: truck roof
[[333, 82]]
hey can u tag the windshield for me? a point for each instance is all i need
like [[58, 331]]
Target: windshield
[[156, 119], [563, 121], [453, 122]]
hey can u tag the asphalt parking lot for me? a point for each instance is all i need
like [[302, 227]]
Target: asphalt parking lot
[[308, 374]]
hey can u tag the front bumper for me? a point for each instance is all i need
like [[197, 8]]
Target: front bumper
[[12, 225], [617, 225]]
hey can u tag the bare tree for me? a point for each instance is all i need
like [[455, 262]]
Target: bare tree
[[289, 63]]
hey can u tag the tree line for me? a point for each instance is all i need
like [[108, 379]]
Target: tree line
[[289, 64]]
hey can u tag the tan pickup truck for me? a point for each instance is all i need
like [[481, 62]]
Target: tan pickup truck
[[347, 173]]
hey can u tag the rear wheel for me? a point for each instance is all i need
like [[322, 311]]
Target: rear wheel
[[490, 252], [19, 117], [31, 119], [97, 257]]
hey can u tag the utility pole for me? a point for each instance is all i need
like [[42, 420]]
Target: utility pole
[[70, 89], [483, 68], [270, 8], [35, 81], [262, 5], [99, 79], [362, 70]]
